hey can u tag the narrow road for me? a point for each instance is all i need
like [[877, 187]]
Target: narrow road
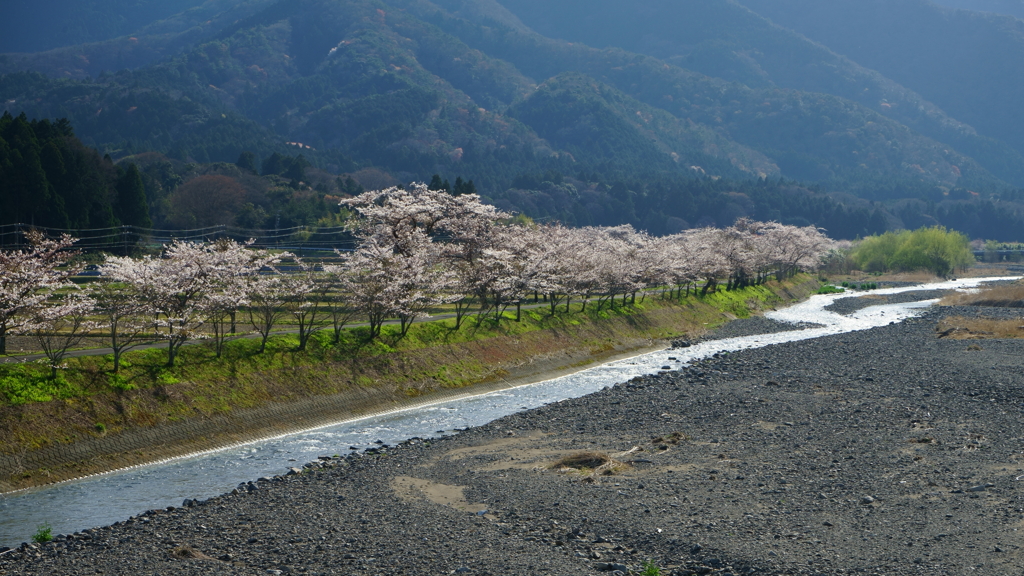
[[20, 358]]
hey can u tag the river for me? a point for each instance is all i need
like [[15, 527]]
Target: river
[[107, 498]]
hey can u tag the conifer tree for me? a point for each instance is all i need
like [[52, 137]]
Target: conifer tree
[[132, 207]]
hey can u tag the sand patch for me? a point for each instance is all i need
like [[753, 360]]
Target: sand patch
[[411, 489], [500, 446]]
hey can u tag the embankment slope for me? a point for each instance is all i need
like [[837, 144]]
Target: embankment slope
[[199, 408]]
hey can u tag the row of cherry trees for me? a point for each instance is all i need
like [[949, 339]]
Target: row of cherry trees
[[422, 248], [418, 249]]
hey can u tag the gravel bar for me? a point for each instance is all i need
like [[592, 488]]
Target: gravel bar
[[852, 304], [887, 451]]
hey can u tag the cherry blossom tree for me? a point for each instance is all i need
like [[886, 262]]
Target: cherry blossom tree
[[368, 282], [266, 291], [708, 259], [396, 213], [794, 248], [384, 282], [231, 262], [459, 230], [340, 308], [124, 312], [29, 277], [501, 275], [266, 294], [62, 324], [676, 263], [308, 302], [175, 285], [620, 267]]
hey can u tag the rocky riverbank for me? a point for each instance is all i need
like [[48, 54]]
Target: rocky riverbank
[[888, 451]]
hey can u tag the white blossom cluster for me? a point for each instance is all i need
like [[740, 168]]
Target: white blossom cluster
[[422, 248], [418, 249]]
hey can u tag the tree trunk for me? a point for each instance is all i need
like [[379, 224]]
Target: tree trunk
[[461, 309], [115, 348]]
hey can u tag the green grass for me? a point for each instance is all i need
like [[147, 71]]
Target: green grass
[[743, 302]]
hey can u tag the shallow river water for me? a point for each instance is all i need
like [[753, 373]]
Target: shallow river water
[[104, 499]]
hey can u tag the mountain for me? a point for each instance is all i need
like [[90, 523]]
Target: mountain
[[589, 119], [968, 63], [418, 88], [723, 39], [39, 25], [662, 115], [810, 135], [114, 41]]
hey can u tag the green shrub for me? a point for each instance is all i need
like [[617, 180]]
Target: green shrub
[[935, 249], [650, 569], [830, 289], [43, 534]]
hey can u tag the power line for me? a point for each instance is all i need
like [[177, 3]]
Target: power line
[[123, 238]]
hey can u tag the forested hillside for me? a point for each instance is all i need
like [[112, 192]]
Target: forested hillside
[[968, 63], [723, 39], [38, 25], [665, 116], [413, 88]]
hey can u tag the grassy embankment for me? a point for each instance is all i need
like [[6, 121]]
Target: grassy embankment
[[88, 403]]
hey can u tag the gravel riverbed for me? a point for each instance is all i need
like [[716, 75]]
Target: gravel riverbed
[[887, 451]]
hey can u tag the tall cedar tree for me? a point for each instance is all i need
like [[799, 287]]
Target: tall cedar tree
[[49, 178], [132, 208]]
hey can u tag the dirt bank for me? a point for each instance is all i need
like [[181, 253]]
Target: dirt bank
[[46, 442], [888, 451]]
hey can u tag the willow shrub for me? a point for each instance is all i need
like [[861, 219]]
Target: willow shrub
[[935, 249]]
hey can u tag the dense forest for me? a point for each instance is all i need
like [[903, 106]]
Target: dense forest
[[48, 178]]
